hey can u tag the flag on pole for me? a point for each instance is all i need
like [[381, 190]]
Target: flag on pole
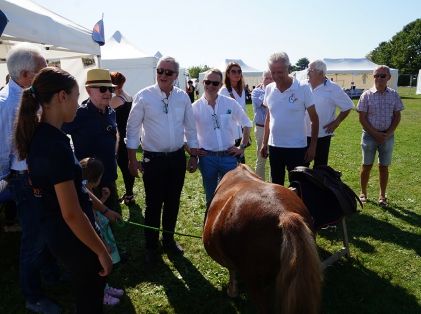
[[98, 32], [3, 21]]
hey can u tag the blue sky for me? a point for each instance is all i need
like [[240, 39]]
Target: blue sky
[[206, 32]]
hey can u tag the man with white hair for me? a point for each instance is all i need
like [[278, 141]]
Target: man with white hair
[[379, 109], [162, 116], [287, 100], [260, 111], [24, 61], [327, 96]]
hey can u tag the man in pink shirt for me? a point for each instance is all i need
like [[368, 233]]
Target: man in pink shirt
[[379, 109]]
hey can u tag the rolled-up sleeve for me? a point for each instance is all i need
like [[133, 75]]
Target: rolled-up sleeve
[[134, 122]]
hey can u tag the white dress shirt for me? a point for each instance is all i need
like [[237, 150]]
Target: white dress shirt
[[287, 110], [327, 96], [216, 126], [162, 128]]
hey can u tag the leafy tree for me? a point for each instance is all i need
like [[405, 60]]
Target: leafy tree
[[403, 51], [195, 70], [301, 64]]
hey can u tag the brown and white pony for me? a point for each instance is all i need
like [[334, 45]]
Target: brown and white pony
[[263, 233]]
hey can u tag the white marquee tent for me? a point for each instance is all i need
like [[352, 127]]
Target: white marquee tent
[[60, 38], [251, 76], [347, 70], [419, 83], [118, 54]]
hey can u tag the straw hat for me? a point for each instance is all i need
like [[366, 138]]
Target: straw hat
[[99, 77]]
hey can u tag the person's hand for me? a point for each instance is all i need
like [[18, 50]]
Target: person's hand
[[264, 151], [113, 216], [380, 137], [235, 151], [192, 164], [105, 194], [134, 166], [106, 264], [331, 127], [310, 153]]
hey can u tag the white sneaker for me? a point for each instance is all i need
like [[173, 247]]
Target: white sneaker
[[114, 292], [110, 300]]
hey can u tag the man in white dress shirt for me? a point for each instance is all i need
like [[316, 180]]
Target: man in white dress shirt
[[162, 116], [327, 96], [285, 131], [216, 117]]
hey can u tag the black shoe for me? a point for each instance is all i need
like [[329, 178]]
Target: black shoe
[[43, 305], [172, 247]]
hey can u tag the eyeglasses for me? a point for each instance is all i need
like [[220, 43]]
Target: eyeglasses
[[214, 83], [103, 89], [167, 72], [165, 101], [380, 75], [233, 71], [215, 121]]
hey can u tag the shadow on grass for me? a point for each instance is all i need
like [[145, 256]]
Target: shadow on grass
[[367, 226], [349, 287], [404, 214]]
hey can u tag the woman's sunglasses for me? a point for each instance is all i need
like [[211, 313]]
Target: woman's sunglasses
[[103, 89], [167, 72], [233, 71], [214, 83], [380, 75]]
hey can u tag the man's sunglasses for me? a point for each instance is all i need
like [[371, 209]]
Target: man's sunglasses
[[103, 89], [167, 72], [380, 75], [214, 83]]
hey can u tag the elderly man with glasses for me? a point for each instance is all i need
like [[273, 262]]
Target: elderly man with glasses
[[216, 119], [379, 109], [94, 132], [327, 97], [162, 116]]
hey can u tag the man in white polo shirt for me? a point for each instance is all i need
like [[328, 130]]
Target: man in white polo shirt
[[162, 116], [216, 117], [285, 131], [327, 96]]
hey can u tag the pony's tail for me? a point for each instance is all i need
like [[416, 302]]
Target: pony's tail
[[299, 279]]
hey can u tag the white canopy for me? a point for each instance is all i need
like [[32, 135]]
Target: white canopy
[[118, 54], [419, 83], [347, 70], [252, 76], [29, 22]]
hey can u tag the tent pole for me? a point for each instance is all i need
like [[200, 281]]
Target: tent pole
[[99, 60]]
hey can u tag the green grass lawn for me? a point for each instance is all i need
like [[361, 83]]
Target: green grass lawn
[[383, 275]]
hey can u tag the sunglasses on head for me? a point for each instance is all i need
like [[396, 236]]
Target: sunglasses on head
[[167, 72], [103, 89], [380, 75], [214, 83], [236, 71]]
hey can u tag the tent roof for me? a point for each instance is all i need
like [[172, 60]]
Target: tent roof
[[30, 22], [349, 65], [244, 67], [118, 47]]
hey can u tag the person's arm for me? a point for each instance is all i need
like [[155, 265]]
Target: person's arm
[[332, 126], [314, 118], [99, 206], [134, 125], [80, 225], [264, 150], [395, 122], [379, 137]]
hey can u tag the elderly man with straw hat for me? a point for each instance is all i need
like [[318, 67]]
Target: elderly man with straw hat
[[94, 131]]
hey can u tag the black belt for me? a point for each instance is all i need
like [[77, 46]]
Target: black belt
[[220, 153], [18, 172], [162, 154]]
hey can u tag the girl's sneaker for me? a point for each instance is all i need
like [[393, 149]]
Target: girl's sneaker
[[110, 300], [114, 292]]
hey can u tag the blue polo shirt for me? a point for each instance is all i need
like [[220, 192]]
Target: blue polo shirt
[[94, 134]]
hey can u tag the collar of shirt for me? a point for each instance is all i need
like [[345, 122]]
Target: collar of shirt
[[374, 90], [92, 107]]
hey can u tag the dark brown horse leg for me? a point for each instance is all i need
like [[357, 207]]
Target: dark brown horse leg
[[232, 289]]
